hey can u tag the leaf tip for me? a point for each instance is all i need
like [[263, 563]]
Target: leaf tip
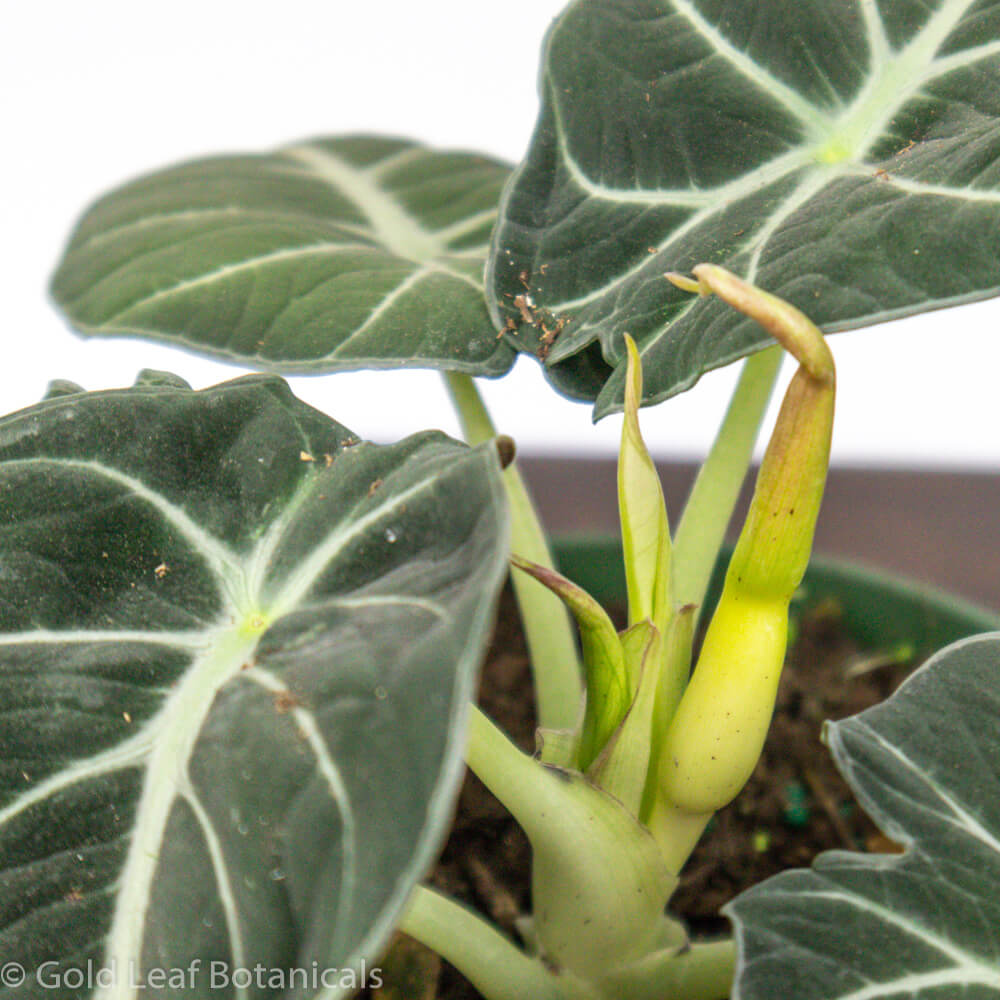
[[686, 284], [633, 379]]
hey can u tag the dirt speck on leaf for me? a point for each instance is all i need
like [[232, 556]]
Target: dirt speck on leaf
[[285, 701]]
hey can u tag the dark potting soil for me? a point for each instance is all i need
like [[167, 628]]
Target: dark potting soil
[[795, 805]]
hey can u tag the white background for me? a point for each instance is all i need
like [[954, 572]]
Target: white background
[[94, 93]]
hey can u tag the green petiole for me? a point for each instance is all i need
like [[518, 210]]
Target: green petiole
[[547, 629], [496, 966]]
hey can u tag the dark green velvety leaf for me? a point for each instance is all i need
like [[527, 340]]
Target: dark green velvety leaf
[[843, 155], [342, 253], [236, 649], [922, 925]]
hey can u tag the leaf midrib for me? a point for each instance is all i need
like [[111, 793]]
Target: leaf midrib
[[861, 124], [176, 729], [177, 726], [395, 228], [897, 80]]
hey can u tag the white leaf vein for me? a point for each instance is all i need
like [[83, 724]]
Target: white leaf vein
[[961, 959], [171, 735], [219, 556], [31, 637], [878, 43], [916, 187], [790, 99], [333, 780], [396, 229], [809, 186], [895, 78], [448, 234], [223, 882], [384, 305], [959, 816], [133, 752], [394, 600], [313, 566], [227, 271]]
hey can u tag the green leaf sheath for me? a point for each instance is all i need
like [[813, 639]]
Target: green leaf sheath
[[716, 735], [608, 682], [922, 924], [709, 507], [333, 254], [599, 885], [237, 649], [623, 765], [643, 514], [844, 156]]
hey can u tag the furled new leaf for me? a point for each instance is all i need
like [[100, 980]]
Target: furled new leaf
[[845, 156], [922, 925], [608, 684], [236, 648], [339, 253], [643, 513]]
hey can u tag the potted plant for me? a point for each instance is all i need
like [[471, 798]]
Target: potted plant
[[238, 646]]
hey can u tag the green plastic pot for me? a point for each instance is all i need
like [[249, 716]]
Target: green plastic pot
[[879, 610]]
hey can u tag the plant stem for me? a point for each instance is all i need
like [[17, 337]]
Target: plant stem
[[512, 776], [709, 507], [702, 972], [490, 961], [547, 628], [477, 425], [676, 832], [501, 971], [599, 885]]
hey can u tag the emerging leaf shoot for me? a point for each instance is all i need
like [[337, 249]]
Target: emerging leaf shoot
[[608, 689], [716, 736], [645, 529]]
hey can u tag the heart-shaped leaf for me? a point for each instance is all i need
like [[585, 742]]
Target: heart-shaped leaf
[[344, 253], [236, 647], [922, 925], [844, 156]]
